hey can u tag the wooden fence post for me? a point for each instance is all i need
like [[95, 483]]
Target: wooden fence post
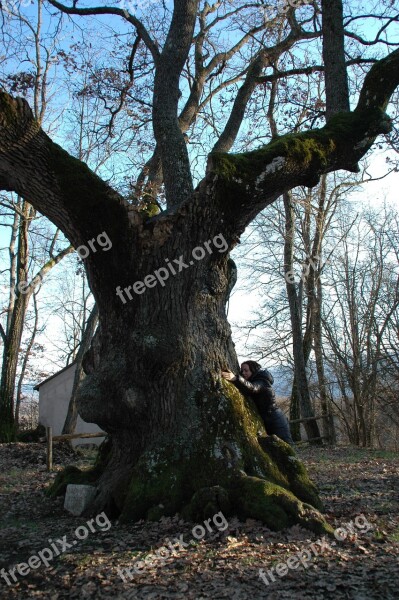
[[49, 436], [68, 436]]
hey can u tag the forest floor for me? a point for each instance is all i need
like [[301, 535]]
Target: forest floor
[[360, 490]]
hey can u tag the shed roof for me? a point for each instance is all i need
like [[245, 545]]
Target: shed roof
[[38, 385]]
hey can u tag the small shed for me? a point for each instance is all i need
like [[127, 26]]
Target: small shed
[[54, 395]]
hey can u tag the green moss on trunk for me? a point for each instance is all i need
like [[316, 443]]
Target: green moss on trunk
[[300, 157], [297, 477], [302, 149], [227, 469], [275, 506], [223, 466]]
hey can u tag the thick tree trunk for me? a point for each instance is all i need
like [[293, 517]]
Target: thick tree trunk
[[182, 439]]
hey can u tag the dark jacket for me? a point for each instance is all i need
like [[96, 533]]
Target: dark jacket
[[259, 388]]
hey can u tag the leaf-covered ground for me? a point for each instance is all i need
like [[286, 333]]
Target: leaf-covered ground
[[356, 485]]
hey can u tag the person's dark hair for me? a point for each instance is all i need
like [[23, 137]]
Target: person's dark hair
[[253, 366]]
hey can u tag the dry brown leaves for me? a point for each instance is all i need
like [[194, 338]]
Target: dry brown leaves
[[224, 564]]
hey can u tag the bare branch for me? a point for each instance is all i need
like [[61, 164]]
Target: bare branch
[[265, 56], [52, 262], [3, 334], [309, 70], [110, 10]]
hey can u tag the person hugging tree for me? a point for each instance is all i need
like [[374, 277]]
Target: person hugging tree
[[257, 383]]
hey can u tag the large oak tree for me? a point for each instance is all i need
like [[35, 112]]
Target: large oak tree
[[180, 438]]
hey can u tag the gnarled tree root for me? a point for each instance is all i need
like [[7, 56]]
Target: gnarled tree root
[[198, 491]]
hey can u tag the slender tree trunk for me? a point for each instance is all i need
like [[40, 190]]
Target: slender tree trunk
[[317, 303], [20, 296], [8, 373], [13, 255], [14, 334], [362, 422], [25, 362], [311, 426], [72, 413], [295, 413], [325, 402]]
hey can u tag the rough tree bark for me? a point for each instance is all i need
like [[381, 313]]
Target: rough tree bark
[[335, 76], [180, 438]]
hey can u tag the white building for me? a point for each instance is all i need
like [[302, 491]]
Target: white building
[[54, 395]]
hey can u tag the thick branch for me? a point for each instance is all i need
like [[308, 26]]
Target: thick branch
[[169, 137], [153, 169], [245, 183], [227, 139], [380, 83], [336, 80], [60, 186]]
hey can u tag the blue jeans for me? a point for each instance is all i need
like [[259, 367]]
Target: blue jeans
[[276, 423]]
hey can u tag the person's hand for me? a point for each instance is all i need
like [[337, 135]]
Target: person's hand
[[228, 375]]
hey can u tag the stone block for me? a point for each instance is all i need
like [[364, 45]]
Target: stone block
[[78, 498]]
